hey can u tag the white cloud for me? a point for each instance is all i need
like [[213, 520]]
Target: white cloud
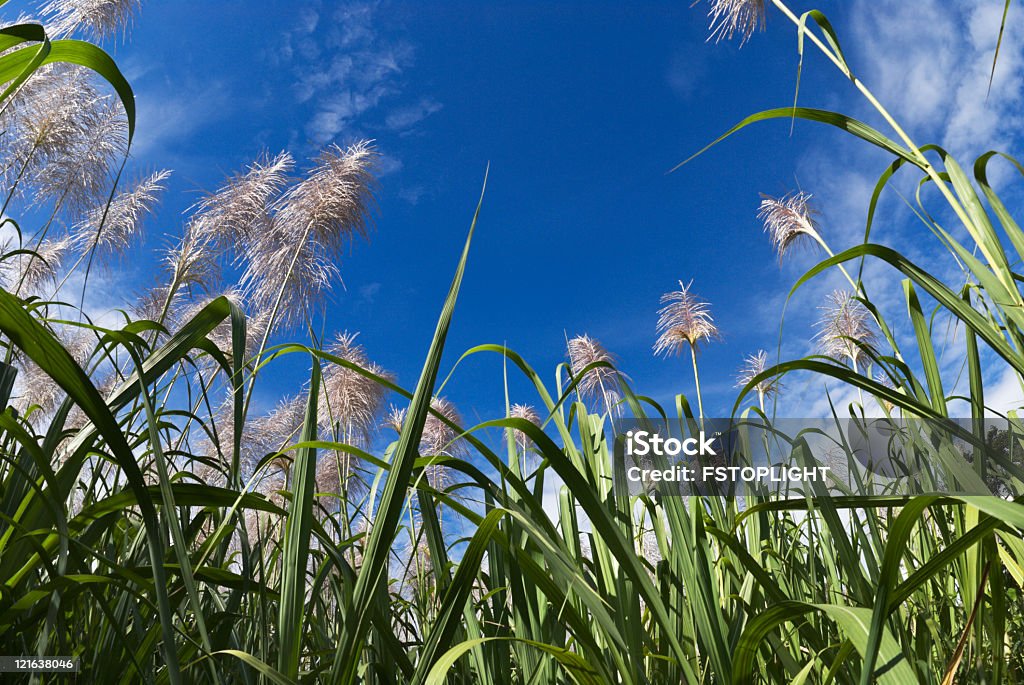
[[368, 293], [413, 195], [404, 118], [685, 70], [1006, 394], [929, 62], [167, 115], [348, 68]]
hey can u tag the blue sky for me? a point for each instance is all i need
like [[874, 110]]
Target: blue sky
[[580, 108]]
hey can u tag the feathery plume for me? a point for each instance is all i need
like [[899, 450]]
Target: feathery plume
[[272, 486], [753, 366], [193, 260], [241, 210], [294, 263], [337, 472], [438, 436], [35, 388], [210, 474], [280, 428], [522, 411], [43, 118], [882, 378], [441, 439], [99, 18], [788, 220], [649, 548], [113, 230], [29, 271], [729, 17], [583, 351], [60, 138], [349, 398], [684, 321], [845, 326], [80, 175], [263, 435], [395, 419], [222, 336], [149, 306]]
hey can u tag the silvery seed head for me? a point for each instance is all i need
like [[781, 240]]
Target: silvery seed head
[[350, 400], [440, 439], [845, 327], [99, 19], [684, 321], [753, 366], [280, 428], [882, 378], [438, 436], [193, 261], [27, 273], [583, 350], [315, 220], [788, 221], [729, 17], [338, 471], [112, 229], [149, 306], [222, 336], [526, 412], [34, 388], [395, 419], [42, 120], [61, 137], [81, 174], [241, 210]]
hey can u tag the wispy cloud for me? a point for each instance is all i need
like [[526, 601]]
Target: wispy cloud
[[171, 114], [936, 78], [349, 69], [686, 69], [404, 118], [368, 292]]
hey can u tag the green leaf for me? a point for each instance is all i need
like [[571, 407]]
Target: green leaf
[[296, 540]]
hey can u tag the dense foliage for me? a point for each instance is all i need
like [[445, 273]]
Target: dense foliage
[[153, 525]]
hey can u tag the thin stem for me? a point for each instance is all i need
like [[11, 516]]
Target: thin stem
[[273, 315], [696, 380], [857, 288]]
